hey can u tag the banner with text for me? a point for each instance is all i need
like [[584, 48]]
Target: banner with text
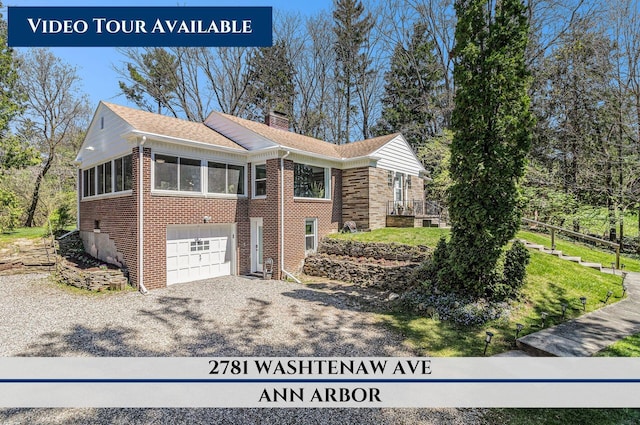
[[139, 26], [319, 382]]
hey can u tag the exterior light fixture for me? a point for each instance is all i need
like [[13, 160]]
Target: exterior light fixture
[[613, 268], [624, 275], [609, 293], [519, 327], [487, 341], [206, 218], [564, 310], [543, 317], [624, 290], [583, 300]]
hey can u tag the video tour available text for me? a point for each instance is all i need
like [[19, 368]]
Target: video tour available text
[[103, 25]]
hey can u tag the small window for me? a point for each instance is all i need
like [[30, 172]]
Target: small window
[[310, 235], [90, 182], [260, 180], [101, 123]]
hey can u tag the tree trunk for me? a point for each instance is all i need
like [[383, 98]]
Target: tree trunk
[[36, 192]]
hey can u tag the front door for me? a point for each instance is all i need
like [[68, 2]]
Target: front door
[[256, 244]]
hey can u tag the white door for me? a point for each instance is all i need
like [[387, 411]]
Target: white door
[[199, 252], [256, 244]]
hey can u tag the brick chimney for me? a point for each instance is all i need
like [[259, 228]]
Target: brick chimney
[[277, 120]]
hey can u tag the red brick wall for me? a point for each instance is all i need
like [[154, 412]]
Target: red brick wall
[[327, 212], [118, 219]]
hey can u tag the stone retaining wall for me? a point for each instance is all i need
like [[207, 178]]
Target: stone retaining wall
[[91, 279], [395, 278], [375, 250], [376, 265]]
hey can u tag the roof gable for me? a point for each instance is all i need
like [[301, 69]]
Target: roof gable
[[162, 125]]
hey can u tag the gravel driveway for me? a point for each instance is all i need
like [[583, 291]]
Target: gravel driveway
[[230, 316]]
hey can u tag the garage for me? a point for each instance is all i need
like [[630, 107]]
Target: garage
[[196, 252]]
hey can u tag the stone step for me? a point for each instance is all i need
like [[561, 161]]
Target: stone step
[[596, 266], [572, 259]]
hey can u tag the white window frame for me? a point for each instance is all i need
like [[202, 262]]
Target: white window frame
[[253, 180], [227, 164], [113, 192], [327, 181], [202, 190], [314, 235]]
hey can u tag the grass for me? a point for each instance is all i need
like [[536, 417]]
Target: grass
[[428, 236], [628, 347], [21, 233], [550, 282], [586, 252]]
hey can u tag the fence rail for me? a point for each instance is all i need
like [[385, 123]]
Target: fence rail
[[577, 235], [417, 208]]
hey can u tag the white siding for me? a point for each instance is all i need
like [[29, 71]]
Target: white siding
[[242, 136], [102, 144], [397, 155]]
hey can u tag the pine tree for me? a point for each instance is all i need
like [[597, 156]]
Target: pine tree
[[352, 30], [271, 75], [492, 125], [412, 91]]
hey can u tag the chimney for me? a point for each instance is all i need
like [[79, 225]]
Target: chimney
[[277, 120]]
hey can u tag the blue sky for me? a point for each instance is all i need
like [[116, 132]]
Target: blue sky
[[95, 64]]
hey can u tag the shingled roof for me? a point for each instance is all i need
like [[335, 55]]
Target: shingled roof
[[163, 125]]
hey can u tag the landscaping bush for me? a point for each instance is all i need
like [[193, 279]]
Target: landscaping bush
[[455, 308], [9, 211], [59, 219], [514, 272]]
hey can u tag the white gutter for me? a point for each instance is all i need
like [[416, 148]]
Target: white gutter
[[141, 286], [282, 219]]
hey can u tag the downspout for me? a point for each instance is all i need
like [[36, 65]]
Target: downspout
[[286, 273], [141, 286]]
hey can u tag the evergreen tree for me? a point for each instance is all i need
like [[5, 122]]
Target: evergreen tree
[[352, 30], [412, 91], [155, 77], [271, 75], [492, 125]]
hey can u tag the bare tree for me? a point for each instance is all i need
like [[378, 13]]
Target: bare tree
[[55, 110]]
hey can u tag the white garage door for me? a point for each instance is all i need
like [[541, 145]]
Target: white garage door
[[199, 252]]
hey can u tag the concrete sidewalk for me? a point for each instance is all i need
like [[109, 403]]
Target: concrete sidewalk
[[592, 332]]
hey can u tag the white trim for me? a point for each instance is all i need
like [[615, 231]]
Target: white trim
[[121, 194], [314, 221], [253, 180], [132, 134]]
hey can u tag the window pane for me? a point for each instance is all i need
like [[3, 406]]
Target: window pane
[[217, 177], [308, 228], [308, 181], [261, 188], [85, 183], [261, 172], [118, 172], [190, 175], [128, 172], [100, 178], [166, 172], [310, 246], [236, 179], [92, 181], [107, 177]]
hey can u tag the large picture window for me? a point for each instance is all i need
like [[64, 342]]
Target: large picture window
[[174, 173], [225, 178], [311, 182]]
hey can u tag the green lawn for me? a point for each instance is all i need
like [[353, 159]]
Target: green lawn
[[628, 347], [21, 233], [550, 282], [428, 236], [586, 252]]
